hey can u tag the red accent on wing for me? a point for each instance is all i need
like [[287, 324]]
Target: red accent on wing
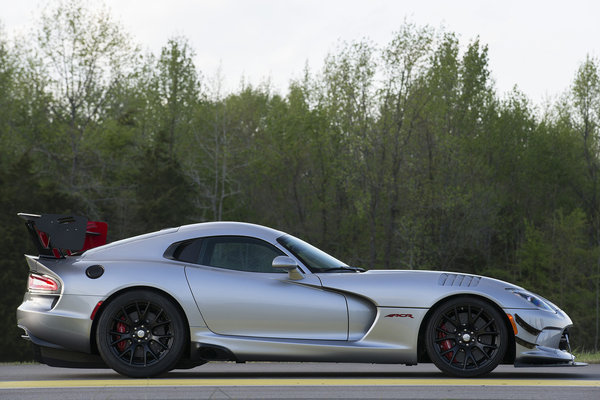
[[96, 232], [44, 239]]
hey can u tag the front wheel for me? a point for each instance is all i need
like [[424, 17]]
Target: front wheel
[[466, 337], [141, 334]]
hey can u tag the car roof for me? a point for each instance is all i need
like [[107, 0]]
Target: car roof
[[152, 245], [230, 228]]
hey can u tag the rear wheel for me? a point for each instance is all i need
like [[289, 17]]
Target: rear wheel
[[466, 337], [141, 334]]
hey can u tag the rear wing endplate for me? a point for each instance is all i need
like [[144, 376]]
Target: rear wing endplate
[[59, 235]]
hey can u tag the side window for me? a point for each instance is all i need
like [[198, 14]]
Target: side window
[[187, 251], [239, 253]]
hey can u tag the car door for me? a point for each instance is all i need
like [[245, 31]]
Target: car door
[[239, 293]]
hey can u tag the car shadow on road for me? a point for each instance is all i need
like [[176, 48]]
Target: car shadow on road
[[369, 375], [230, 370]]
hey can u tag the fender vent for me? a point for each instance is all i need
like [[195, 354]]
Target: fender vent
[[459, 280]]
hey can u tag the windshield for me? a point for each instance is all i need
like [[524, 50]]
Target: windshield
[[316, 260]]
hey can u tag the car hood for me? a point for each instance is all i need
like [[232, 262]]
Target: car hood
[[419, 289]]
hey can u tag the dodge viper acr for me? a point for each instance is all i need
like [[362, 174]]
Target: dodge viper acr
[[180, 297]]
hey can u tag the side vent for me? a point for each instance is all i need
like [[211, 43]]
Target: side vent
[[459, 280]]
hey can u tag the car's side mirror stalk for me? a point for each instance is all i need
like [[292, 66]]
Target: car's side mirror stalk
[[288, 264]]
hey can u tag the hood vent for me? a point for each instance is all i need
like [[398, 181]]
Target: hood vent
[[459, 280]]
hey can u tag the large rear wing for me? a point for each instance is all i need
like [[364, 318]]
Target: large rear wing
[[57, 235]]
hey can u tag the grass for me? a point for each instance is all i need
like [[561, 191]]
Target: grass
[[5, 363], [587, 357]]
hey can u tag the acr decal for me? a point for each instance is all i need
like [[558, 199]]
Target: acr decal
[[399, 316]]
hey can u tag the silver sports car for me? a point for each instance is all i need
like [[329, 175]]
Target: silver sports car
[[180, 297]]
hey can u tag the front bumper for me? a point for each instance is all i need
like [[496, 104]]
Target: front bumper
[[542, 337]]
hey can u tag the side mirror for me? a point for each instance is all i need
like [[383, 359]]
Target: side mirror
[[288, 264]]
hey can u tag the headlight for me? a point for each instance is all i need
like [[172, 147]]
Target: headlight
[[535, 300]]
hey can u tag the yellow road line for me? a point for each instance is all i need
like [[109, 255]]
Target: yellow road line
[[293, 382]]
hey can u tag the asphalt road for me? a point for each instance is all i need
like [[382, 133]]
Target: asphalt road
[[299, 380]]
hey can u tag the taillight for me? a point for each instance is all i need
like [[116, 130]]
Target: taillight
[[39, 283]]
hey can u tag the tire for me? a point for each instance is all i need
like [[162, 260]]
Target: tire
[[466, 337], [141, 334]]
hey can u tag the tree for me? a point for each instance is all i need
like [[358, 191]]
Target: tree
[[83, 54], [586, 102], [161, 189], [9, 102], [177, 86], [225, 128], [405, 62], [22, 190], [349, 103], [559, 248]]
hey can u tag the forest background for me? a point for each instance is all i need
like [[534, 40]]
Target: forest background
[[400, 156]]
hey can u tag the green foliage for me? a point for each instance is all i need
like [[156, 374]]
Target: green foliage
[[161, 188], [556, 259], [400, 156], [21, 191], [587, 357]]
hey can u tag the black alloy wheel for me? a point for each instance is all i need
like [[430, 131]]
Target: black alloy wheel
[[141, 334], [466, 337]]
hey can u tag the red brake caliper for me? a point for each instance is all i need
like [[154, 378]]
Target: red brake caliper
[[446, 344], [121, 329]]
